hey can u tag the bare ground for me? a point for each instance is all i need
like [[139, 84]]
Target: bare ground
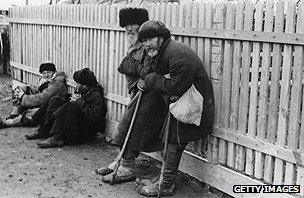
[[28, 171]]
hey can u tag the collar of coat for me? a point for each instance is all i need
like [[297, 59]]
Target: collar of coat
[[60, 76]]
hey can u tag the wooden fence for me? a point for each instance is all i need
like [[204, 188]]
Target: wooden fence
[[253, 52]]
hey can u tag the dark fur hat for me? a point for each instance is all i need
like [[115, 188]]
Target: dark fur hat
[[86, 77], [151, 29], [133, 16], [47, 67]]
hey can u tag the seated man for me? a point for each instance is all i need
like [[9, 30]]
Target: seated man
[[29, 98], [75, 121]]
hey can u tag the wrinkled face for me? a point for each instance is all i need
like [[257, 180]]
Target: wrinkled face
[[47, 74], [132, 34], [153, 45]]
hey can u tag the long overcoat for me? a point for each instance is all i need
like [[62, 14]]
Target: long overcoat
[[185, 68], [145, 135]]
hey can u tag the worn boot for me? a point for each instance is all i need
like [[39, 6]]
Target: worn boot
[[106, 170], [172, 160], [55, 140], [34, 135], [125, 173], [145, 182]]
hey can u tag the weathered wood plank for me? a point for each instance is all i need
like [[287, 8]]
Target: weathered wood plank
[[244, 89], [285, 93], [274, 91]]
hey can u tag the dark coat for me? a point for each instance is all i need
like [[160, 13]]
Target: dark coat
[[82, 119], [151, 112], [185, 68]]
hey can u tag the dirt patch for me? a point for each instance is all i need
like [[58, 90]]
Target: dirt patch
[[28, 171]]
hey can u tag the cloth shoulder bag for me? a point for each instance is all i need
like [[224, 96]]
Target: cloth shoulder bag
[[189, 107]]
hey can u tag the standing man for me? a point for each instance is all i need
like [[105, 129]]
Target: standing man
[[152, 109], [184, 68]]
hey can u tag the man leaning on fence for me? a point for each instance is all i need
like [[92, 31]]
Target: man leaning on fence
[[152, 109], [29, 98], [179, 76]]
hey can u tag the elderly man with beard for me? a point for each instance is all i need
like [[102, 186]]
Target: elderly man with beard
[[29, 98], [72, 121], [152, 109], [177, 67]]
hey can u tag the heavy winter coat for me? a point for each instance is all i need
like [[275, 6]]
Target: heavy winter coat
[[185, 68], [82, 119], [151, 112], [57, 86]]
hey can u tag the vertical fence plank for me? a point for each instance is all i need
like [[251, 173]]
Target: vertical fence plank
[[284, 93], [254, 90], [244, 89], [274, 90], [236, 66], [207, 62], [263, 99], [226, 77]]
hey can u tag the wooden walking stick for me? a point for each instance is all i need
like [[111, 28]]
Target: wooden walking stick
[[166, 138], [119, 157]]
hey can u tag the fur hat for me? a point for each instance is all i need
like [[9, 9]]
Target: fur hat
[[151, 29], [47, 67], [86, 77], [133, 16]]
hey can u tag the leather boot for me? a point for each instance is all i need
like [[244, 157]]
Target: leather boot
[[151, 190], [54, 141], [106, 170], [172, 160], [34, 135], [125, 173]]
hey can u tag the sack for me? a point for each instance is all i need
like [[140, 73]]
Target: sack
[[189, 107]]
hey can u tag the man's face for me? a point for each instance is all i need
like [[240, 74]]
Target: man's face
[[47, 74], [153, 45], [132, 34]]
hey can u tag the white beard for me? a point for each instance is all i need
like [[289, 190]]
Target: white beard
[[152, 52]]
